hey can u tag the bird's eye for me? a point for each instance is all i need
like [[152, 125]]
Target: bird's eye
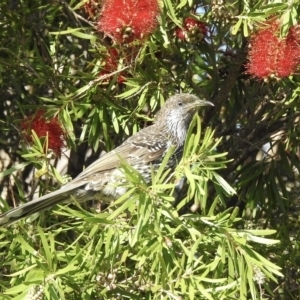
[[180, 103]]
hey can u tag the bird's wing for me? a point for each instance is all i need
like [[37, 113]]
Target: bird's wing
[[139, 148]]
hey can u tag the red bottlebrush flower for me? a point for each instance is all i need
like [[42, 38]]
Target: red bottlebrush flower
[[180, 34], [92, 7], [111, 62], [194, 31], [190, 24], [293, 37], [111, 65], [41, 126], [128, 20], [271, 55]]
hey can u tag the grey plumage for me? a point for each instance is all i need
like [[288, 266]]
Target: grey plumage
[[148, 146]]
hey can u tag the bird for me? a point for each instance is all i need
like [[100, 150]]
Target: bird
[[144, 151]]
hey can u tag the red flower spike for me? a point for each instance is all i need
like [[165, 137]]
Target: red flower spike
[[271, 56], [190, 23], [180, 34], [128, 20], [41, 126], [92, 7], [111, 65], [293, 37], [194, 31]]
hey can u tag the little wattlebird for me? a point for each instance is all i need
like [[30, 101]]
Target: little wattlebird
[[144, 151]]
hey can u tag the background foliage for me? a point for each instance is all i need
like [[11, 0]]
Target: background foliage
[[239, 171]]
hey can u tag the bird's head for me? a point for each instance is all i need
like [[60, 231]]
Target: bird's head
[[181, 106], [177, 113]]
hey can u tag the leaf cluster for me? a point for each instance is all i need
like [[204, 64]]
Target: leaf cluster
[[200, 233]]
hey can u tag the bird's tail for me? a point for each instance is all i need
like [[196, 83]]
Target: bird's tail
[[34, 206]]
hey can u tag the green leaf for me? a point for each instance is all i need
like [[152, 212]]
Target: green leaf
[[237, 26], [14, 169], [76, 32], [46, 248], [245, 28], [228, 189]]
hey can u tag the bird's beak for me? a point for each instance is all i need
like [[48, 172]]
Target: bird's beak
[[198, 103], [204, 103]]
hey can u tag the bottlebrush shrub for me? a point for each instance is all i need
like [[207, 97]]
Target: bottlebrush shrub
[[193, 31], [111, 65], [272, 56], [42, 126], [126, 21]]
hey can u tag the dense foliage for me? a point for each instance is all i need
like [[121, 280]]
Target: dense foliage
[[234, 231]]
